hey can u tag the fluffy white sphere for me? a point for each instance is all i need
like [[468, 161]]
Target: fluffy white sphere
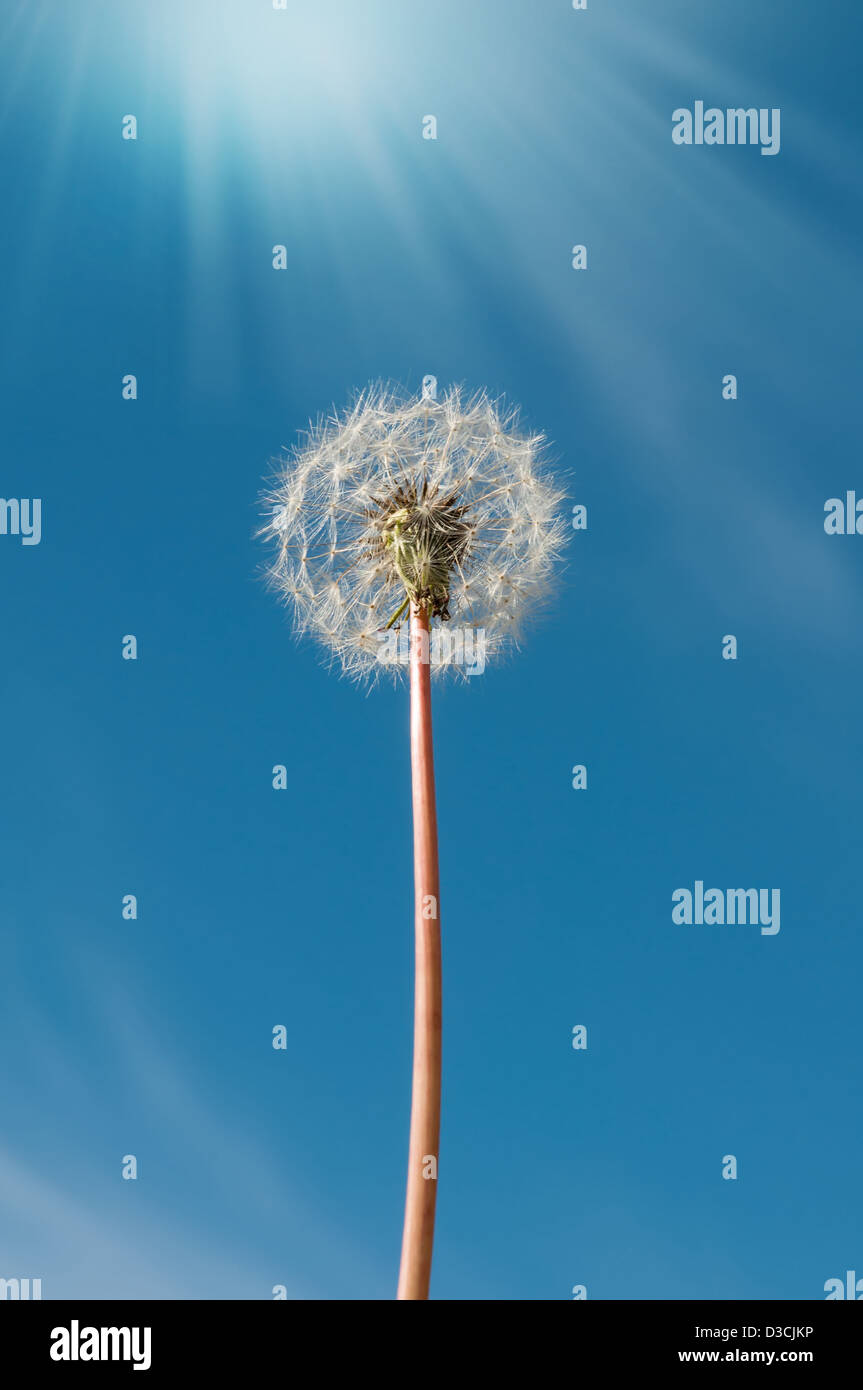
[[446, 502]]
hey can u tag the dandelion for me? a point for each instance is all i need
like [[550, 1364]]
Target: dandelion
[[397, 526]]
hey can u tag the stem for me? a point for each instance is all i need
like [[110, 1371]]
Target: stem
[[418, 1237], [397, 614]]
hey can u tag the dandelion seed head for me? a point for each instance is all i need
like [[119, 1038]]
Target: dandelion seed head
[[444, 502]]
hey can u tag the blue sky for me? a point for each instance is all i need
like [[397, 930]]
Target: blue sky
[[256, 907]]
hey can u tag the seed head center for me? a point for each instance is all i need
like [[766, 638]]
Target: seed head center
[[422, 536]]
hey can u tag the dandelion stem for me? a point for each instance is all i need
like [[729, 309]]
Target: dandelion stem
[[418, 1238]]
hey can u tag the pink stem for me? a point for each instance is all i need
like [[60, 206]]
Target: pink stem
[[418, 1238]]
